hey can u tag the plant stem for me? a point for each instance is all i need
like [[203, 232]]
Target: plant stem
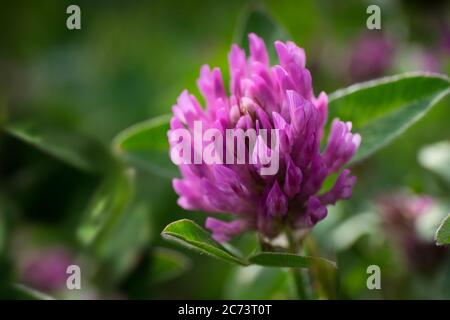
[[296, 272]]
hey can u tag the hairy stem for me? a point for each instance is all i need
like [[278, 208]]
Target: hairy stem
[[296, 272]]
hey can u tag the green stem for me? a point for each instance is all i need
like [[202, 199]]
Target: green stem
[[296, 272]]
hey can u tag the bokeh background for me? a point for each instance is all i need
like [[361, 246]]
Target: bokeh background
[[67, 198]]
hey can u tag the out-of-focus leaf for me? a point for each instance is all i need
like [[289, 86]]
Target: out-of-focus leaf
[[256, 282], [255, 18], [427, 224], [443, 232], [106, 207], [349, 231], [6, 265], [167, 264], [382, 109], [120, 248], [2, 233], [191, 235], [23, 292], [324, 276], [287, 260], [145, 145], [436, 157], [71, 147]]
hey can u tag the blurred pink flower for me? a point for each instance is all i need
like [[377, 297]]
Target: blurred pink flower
[[399, 214], [46, 270], [371, 56]]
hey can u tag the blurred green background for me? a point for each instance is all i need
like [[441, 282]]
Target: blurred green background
[[65, 94]]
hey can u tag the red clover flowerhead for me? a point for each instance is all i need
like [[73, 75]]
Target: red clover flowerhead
[[262, 96]]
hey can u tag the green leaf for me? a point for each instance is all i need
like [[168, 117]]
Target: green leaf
[[106, 207], [167, 264], [382, 109], [69, 146], [191, 235], [255, 18], [286, 260], [436, 157], [443, 232], [145, 145]]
